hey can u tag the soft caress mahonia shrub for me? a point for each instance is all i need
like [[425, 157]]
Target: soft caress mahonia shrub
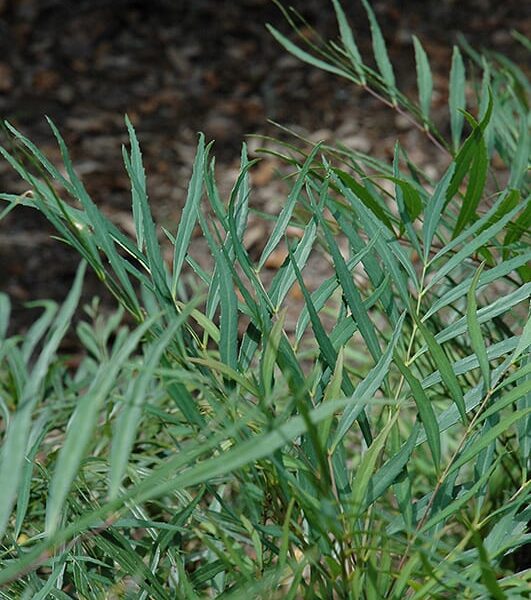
[[379, 450]]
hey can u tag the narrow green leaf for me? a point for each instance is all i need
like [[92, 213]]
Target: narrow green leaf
[[509, 522], [476, 184], [328, 352], [457, 100], [409, 202], [380, 53], [228, 320], [284, 217], [386, 246], [285, 276], [517, 375], [305, 56], [367, 465], [284, 543], [38, 433], [427, 415], [522, 39], [468, 150], [489, 133], [366, 389], [240, 194], [269, 357], [189, 213], [424, 79], [445, 367], [509, 200], [520, 163], [332, 392], [506, 201], [432, 214], [409, 198], [157, 267], [138, 195], [48, 166], [38, 329], [346, 328], [351, 294], [349, 43], [5, 313], [131, 413], [525, 341], [476, 339], [382, 480]]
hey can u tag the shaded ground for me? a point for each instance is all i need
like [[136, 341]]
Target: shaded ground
[[180, 66]]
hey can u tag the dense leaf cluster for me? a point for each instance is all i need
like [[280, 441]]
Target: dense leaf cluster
[[381, 450]]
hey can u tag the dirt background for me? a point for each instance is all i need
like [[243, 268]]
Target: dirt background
[[177, 67]]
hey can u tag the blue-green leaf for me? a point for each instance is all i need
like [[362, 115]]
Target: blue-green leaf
[[476, 339], [424, 79], [457, 100], [380, 53], [349, 43]]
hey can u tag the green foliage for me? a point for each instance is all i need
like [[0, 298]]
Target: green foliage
[[203, 449]]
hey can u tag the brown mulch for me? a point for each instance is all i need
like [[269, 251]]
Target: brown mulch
[[180, 66]]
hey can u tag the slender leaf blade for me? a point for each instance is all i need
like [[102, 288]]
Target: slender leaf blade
[[445, 367], [349, 43], [426, 412], [424, 79], [457, 99], [189, 213], [380, 53], [476, 339]]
